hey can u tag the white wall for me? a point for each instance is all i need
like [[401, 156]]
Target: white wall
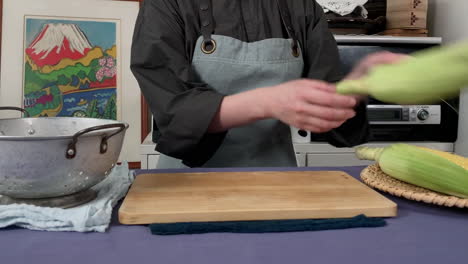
[[11, 75], [448, 19]]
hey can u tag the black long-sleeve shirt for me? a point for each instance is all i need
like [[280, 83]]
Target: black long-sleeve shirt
[[183, 106]]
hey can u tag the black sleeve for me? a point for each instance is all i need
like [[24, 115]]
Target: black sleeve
[[322, 62], [182, 106]]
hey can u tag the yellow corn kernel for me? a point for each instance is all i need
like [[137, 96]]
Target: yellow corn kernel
[[459, 160]]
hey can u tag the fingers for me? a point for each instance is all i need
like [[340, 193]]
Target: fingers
[[319, 85], [311, 105], [323, 112], [322, 93], [327, 98], [320, 119], [375, 59], [318, 125], [384, 57]]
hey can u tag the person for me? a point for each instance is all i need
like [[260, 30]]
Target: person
[[226, 79]]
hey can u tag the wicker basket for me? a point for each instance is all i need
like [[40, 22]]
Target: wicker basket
[[376, 178]]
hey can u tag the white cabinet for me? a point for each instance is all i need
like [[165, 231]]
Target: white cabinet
[[319, 154], [335, 159], [301, 159], [313, 154], [149, 156], [153, 161]]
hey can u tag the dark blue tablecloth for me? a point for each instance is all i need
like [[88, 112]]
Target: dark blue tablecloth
[[421, 233]]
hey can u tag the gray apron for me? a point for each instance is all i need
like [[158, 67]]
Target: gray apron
[[231, 66]]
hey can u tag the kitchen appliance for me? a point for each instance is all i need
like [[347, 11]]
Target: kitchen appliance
[[404, 114], [261, 195], [54, 161], [388, 122]]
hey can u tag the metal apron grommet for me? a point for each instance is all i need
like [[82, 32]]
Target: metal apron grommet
[[295, 51], [208, 46]]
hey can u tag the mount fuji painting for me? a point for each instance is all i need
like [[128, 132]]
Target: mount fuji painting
[[70, 68]]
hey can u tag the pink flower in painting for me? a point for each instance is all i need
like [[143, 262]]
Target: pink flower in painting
[[107, 72], [113, 71], [107, 68], [102, 61], [110, 62], [100, 74]]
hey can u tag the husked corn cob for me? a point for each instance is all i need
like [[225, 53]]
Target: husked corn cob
[[428, 76], [431, 169]]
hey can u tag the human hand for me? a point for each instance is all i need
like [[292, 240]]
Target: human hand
[[309, 105], [372, 60]]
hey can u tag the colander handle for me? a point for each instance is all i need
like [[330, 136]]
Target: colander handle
[[71, 149], [26, 114]]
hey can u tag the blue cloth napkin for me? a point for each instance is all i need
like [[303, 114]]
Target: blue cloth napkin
[[94, 216], [265, 226]]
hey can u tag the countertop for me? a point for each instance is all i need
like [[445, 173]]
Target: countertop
[[421, 233]]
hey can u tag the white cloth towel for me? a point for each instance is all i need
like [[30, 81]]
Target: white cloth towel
[[343, 7], [94, 216]]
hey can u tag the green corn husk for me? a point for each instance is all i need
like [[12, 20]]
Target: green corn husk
[[429, 76], [431, 169]]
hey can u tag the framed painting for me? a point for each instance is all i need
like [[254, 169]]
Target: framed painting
[[70, 67], [71, 58]]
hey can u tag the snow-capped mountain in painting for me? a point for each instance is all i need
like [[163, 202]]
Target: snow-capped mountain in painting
[[56, 42]]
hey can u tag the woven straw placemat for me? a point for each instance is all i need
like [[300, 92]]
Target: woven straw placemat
[[376, 178]]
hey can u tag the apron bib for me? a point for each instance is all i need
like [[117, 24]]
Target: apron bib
[[231, 66]]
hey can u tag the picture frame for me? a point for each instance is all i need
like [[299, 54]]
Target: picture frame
[[17, 31]]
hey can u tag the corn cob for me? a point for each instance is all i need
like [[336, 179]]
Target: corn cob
[[428, 76], [431, 169]]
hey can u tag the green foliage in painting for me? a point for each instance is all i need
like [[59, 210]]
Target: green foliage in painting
[[63, 80], [110, 111]]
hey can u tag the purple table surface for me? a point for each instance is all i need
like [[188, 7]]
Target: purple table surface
[[421, 233]]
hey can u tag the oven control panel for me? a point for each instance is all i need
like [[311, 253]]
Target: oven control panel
[[404, 114]]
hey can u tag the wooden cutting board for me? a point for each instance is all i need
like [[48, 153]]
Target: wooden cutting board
[[231, 196]]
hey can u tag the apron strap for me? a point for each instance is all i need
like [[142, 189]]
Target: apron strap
[[286, 18], [207, 26]]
